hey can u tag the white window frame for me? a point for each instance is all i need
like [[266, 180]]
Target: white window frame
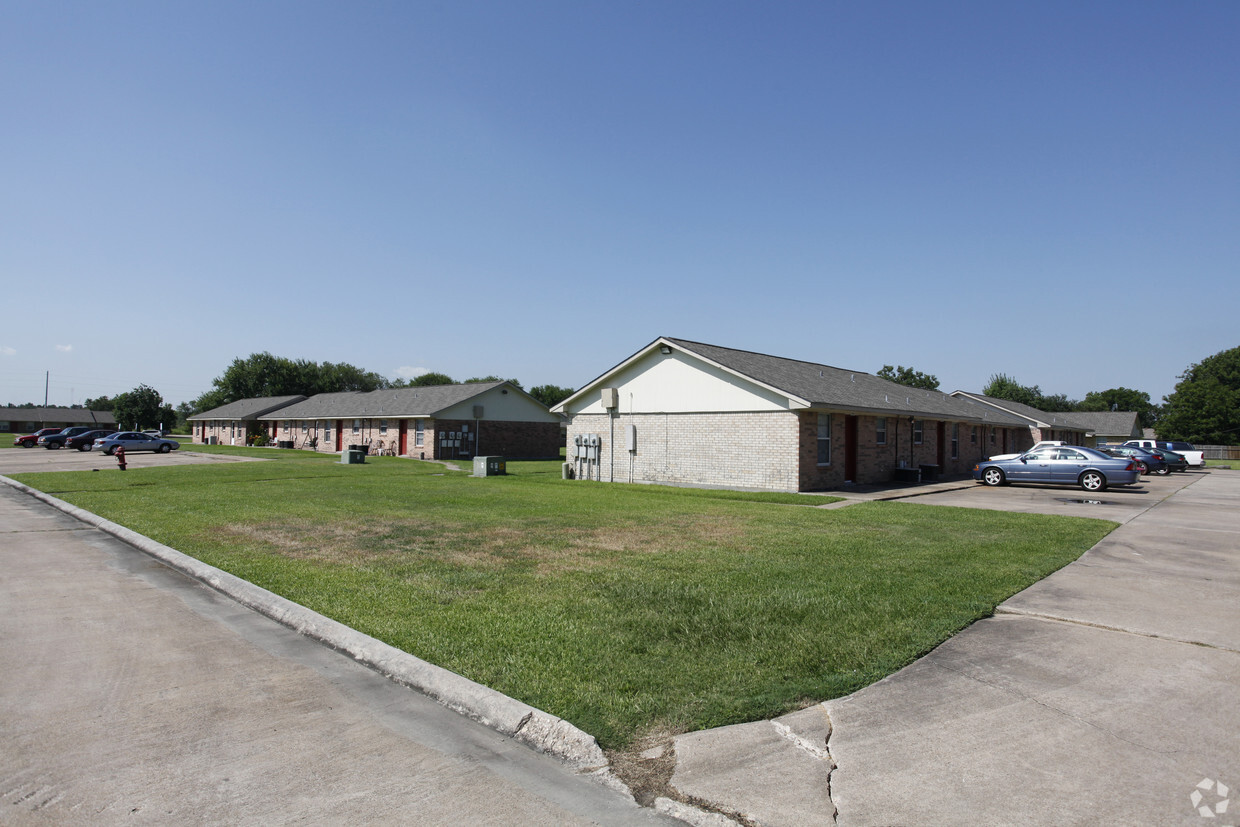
[[824, 439], [919, 431], [880, 430], [955, 440]]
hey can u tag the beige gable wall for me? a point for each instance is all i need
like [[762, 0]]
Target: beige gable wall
[[679, 383], [499, 406]]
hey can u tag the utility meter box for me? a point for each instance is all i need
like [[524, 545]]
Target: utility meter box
[[352, 457], [489, 467]]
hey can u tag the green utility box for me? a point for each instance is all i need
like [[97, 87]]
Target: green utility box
[[489, 467], [353, 457]]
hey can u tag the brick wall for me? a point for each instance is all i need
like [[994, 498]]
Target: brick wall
[[511, 440]]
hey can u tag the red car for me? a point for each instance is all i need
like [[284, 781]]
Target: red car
[[29, 440]]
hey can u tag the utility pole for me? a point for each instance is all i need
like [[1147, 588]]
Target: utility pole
[[47, 378]]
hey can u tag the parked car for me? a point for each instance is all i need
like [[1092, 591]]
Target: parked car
[[134, 441], [57, 440], [1064, 464], [1146, 461], [86, 441], [1195, 456], [1175, 461], [29, 440]]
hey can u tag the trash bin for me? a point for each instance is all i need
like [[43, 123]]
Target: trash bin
[[352, 457], [907, 475], [929, 473]]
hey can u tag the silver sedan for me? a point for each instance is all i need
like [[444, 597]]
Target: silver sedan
[[134, 441]]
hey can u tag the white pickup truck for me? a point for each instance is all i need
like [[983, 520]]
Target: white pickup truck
[[1196, 458]]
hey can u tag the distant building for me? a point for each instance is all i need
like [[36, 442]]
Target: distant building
[[432, 422], [26, 420]]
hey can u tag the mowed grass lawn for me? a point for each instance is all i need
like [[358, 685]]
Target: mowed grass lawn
[[623, 609]]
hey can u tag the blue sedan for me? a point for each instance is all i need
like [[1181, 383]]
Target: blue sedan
[[1065, 464]]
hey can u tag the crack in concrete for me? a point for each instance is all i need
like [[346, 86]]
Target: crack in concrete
[[826, 748], [1121, 630]]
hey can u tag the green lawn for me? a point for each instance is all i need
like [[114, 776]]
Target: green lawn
[[623, 609]]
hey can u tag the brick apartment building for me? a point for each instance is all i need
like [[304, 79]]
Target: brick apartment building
[[681, 412]]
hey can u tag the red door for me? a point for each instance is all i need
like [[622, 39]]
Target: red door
[[404, 437], [339, 434], [850, 449]]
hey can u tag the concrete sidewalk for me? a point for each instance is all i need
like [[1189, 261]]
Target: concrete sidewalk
[[1108, 693]]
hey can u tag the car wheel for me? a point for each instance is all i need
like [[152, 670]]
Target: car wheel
[[1143, 468], [108, 451], [1093, 481], [83, 447], [165, 448], [992, 476], [53, 446], [27, 444], [1164, 471]]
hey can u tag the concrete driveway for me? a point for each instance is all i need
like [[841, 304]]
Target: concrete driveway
[[1119, 504], [1106, 694]]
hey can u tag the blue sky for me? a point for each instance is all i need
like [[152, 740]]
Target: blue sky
[[538, 189]]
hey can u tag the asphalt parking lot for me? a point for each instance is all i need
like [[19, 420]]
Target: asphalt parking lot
[[27, 460]]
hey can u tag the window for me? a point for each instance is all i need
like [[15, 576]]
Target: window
[[880, 431], [305, 427], [919, 430], [824, 439], [419, 434], [992, 436], [357, 426], [383, 426], [973, 436], [955, 440]]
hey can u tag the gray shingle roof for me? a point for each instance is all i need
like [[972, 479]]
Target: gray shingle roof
[[75, 415], [392, 403], [1107, 423], [823, 386], [248, 408], [1027, 412]]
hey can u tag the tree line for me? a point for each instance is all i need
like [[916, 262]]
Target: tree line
[[1204, 408], [262, 374]]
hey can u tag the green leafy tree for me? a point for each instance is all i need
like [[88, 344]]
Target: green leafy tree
[[431, 378], [101, 403], [1205, 405], [1122, 399], [262, 374], [1002, 386], [140, 408], [910, 377], [550, 394]]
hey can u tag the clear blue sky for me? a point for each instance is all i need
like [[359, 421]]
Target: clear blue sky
[[538, 189]]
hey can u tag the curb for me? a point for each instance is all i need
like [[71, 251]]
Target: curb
[[533, 727]]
